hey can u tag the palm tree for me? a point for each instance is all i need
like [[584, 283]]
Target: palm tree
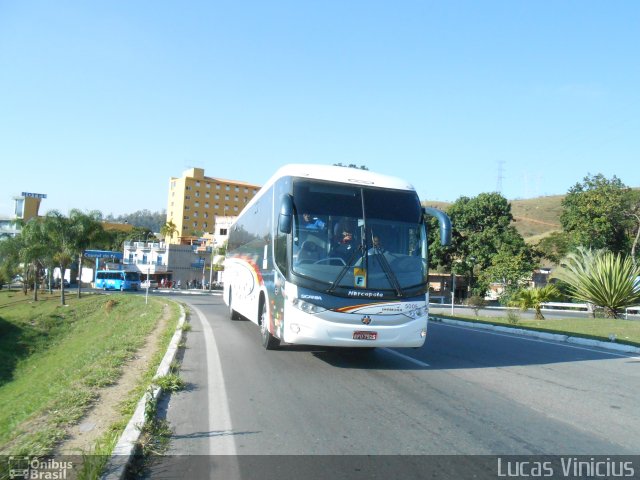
[[534, 298], [60, 232], [169, 229], [602, 278], [34, 251], [10, 259], [86, 229]]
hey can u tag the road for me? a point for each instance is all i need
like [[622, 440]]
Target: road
[[466, 392]]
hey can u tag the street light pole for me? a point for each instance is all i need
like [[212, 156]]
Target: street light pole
[[213, 251], [148, 284], [204, 267], [453, 291]]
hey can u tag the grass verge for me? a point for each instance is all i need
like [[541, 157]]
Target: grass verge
[[54, 359], [95, 459], [605, 329]]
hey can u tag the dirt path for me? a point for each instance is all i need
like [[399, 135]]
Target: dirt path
[[539, 222], [106, 410]]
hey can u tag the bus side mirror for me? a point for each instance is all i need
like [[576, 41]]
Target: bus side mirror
[[286, 214], [445, 224]]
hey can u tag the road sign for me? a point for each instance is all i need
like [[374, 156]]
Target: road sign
[[102, 254]]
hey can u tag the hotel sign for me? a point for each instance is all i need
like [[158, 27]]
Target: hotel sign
[[34, 195]]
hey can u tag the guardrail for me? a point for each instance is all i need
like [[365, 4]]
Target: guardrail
[[585, 307], [631, 311], [548, 306]]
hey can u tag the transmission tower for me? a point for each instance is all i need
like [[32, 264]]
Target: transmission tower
[[500, 176]]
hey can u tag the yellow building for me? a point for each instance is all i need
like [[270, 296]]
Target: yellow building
[[26, 207], [195, 201]]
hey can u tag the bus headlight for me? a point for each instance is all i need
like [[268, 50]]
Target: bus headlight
[[306, 307], [417, 313]]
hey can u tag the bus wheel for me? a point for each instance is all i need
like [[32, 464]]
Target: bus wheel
[[268, 341], [233, 315]]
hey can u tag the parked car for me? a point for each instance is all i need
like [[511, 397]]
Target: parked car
[[16, 282]]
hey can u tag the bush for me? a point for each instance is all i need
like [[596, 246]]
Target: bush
[[513, 317], [477, 303]]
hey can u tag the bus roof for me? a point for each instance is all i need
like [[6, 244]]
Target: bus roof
[[348, 175], [332, 173]]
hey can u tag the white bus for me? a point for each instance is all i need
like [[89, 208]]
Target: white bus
[[332, 256]]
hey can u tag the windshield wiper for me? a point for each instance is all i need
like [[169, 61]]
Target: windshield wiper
[[345, 269], [386, 268]]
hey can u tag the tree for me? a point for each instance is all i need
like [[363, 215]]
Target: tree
[[594, 213], [86, 229], [114, 240], [10, 256], [26, 252], [141, 218], [34, 249], [527, 298], [555, 246], [61, 235], [169, 229], [603, 278], [634, 215], [481, 227], [509, 267]]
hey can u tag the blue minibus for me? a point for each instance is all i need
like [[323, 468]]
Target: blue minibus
[[117, 280]]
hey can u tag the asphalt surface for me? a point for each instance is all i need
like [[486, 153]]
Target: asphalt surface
[[466, 392]]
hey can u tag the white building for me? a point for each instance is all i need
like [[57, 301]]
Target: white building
[[191, 265], [187, 264]]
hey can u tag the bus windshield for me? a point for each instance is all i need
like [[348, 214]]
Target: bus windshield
[[132, 276], [358, 237]]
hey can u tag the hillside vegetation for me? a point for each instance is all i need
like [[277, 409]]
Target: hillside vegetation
[[537, 217], [534, 218]]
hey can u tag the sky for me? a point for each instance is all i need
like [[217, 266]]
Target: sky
[[102, 102]]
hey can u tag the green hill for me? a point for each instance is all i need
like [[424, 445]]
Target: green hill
[[537, 217], [534, 218]]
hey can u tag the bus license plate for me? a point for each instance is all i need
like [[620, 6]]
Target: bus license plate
[[365, 335]]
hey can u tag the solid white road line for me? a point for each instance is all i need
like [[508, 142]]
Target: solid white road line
[[406, 357], [221, 440]]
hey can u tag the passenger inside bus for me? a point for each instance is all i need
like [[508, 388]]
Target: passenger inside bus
[[310, 252], [344, 242], [376, 246], [311, 223]]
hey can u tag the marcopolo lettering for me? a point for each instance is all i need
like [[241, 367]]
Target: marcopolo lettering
[[355, 293]]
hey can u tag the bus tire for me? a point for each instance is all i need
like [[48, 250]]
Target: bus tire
[[269, 342], [233, 315]]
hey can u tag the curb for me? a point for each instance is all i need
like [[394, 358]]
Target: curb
[[187, 292], [124, 450], [556, 337]]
